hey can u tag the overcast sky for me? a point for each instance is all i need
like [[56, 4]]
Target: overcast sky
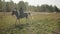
[[40, 2]]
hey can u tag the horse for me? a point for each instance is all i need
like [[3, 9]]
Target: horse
[[19, 16]]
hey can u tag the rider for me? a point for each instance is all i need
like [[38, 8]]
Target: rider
[[21, 11], [15, 9]]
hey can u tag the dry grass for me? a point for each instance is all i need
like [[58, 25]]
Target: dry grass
[[40, 24]]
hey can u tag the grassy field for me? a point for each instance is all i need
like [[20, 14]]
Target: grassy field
[[40, 24]]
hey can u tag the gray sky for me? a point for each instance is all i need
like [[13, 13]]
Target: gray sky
[[40, 2]]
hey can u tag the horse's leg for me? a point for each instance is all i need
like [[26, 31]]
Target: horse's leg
[[15, 22], [19, 21], [27, 19]]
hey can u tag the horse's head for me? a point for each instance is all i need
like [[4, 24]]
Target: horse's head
[[13, 12]]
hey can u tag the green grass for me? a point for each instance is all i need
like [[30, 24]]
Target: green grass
[[41, 24]]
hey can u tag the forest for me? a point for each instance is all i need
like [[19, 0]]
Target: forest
[[9, 6]]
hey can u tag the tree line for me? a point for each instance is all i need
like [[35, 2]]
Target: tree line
[[9, 6]]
